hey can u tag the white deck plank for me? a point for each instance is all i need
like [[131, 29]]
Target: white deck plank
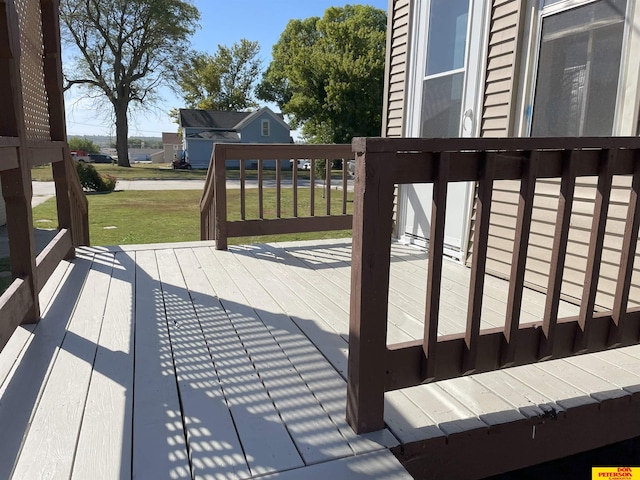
[[579, 378], [335, 282], [325, 382], [159, 446], [214, 447], [408, 421], [254, 413], [12, 352], [318, 374], [488, 406], [612, 373], [326, 339], [104, 444], [379, 465], [563, 394], [49, 448], [20, 395]]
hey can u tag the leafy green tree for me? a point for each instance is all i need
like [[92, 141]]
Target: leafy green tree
[[224, 81], [327, 73], [84, 144], [125, 50]]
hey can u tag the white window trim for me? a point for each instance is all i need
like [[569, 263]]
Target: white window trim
[[262, 128]]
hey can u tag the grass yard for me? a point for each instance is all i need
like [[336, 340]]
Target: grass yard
[[135, 217], [155, 171], [137, 171]]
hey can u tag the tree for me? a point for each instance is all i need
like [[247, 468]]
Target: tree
[[327, 73], [127, 49], [224, 81], [83, 144]]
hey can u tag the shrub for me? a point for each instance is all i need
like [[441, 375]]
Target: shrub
[[91, 180]]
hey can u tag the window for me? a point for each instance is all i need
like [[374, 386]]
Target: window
[[579, 69], [266, 130]]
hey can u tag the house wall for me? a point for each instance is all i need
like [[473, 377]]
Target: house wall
[[169, 151], [504, 58], [199, 152], [252, 133]]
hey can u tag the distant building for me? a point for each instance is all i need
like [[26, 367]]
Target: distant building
[[172, 145], [204, 128]]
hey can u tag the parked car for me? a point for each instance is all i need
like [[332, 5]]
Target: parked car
[[101, 158]]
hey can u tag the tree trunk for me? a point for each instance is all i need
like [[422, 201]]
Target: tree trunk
[[122, 133]]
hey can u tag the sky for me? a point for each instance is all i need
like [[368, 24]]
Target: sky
[[221, 23]]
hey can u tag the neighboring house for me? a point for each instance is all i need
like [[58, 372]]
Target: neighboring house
[[465, 68], [204, 128], [172, 145]]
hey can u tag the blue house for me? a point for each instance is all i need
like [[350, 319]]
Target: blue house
[[204, 128]]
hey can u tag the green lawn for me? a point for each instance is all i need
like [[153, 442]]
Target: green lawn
[[132, 217], [151, 171]]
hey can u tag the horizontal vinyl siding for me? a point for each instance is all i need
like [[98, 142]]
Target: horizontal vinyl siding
[[395, 79]]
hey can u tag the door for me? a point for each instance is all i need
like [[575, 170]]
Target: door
[[445, 85]]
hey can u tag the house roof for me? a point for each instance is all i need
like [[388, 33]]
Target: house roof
[[211, 119], [170, 138], [222, 120]]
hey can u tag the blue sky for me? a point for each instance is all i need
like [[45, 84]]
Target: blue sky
[[221, 22]]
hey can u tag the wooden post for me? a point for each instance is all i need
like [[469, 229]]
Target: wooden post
[[371, 250], [220, 197], [627, 257], [519, 257], [436, 250], [570, 159], [16, 183], [596, 242], [478, 261]]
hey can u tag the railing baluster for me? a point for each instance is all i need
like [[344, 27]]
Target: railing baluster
[[278, 189], [519, 258], [601, 209], [434, 275], [243, 191], [344, 186], [312, 183], [570, 160], [295, 187], [260, 191], [627, 256], [479, 260], [327, 185]]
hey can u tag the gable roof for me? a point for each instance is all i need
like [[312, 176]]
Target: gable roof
[[211, 118], [223, 120]]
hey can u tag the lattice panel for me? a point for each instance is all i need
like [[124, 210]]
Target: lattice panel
[[34, 94]]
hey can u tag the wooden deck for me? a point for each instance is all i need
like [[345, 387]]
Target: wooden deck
[[180, 361]]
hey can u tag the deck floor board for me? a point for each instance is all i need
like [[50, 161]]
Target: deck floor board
[[180, 361]]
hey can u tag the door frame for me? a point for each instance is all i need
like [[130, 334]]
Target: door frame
[[475, 53]]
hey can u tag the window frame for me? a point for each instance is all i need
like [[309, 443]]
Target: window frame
[[265, 123], [625, 120]]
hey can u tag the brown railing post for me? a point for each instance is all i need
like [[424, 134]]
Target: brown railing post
[[434, 267], [373, 208], [220, 197]]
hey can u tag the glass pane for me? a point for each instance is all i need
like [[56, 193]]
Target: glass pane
[[578, 71], [447, 35], [441, 105]]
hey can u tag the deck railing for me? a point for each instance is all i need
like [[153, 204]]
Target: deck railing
[[33, 132], [214, 207], [374, 366]]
